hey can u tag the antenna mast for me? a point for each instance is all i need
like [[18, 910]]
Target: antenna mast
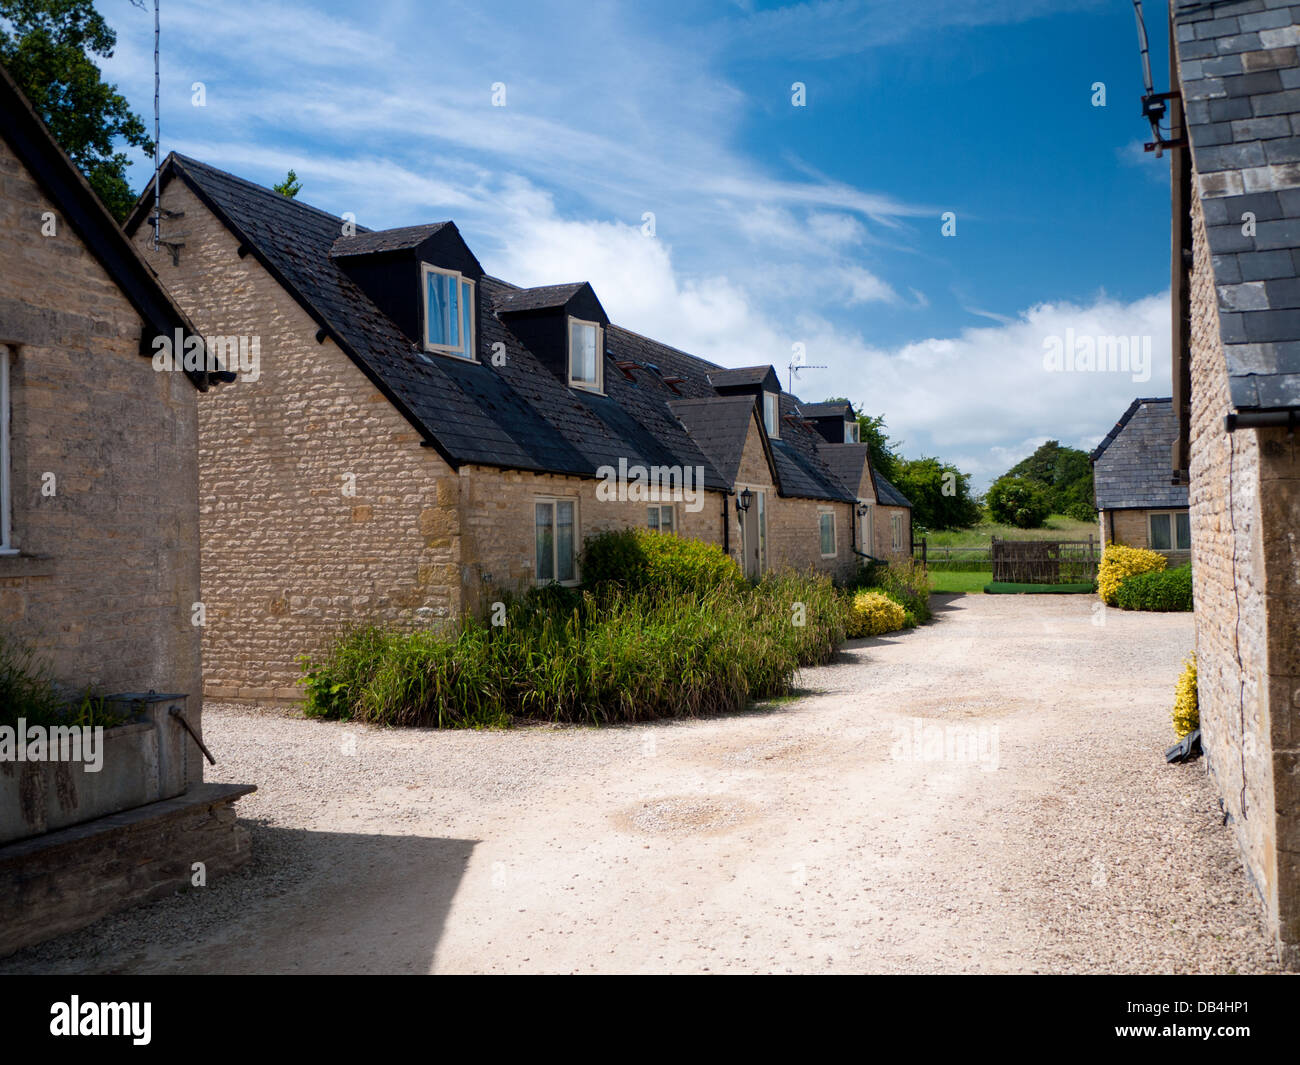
[[157, 149], [793, 372]]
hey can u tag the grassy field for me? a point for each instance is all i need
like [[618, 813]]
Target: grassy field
[[1058, 527], [968, 583]]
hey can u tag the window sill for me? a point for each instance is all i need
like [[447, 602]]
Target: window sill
[[450, 354], [14, 563], [593, 389]]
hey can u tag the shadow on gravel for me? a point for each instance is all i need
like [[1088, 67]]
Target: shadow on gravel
[[944, 602], [309, 902]]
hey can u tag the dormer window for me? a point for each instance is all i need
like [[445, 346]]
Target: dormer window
[[448, 312], [586, 364], [851, 435], [772, 414]]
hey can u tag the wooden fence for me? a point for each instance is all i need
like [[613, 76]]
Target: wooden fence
[[1045, 561]]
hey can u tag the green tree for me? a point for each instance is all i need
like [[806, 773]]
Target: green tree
[[1066, 475], [290, 186], [47, 47], [939, 492], [1018, 501]]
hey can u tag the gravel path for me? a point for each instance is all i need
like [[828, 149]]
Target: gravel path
[[984, 794]]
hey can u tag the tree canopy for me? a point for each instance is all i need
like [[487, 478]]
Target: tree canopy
[[47, 46]]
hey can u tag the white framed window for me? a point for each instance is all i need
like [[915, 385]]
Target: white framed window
[[448, 312], [6, 473], [1170, 531], [661, 518], [555, 524], [852, 434], [826, 529], [896, 531], [586, 362], [772, 414]]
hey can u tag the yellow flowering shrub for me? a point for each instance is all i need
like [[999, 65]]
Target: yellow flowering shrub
[[1187, 714], [873, 614], [1118, 562]]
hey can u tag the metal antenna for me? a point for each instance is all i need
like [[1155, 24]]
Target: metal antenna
[[794, 369], [1154, 104], [157, 149]]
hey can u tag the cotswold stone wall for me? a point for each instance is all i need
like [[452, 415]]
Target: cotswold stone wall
[[1245, 499], [884, 533], [320, 507], [104, 471]]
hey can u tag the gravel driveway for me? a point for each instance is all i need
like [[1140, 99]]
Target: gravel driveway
[[984, 794]]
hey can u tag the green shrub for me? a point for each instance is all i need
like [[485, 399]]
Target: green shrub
[[645, 559], [606, 655], [874, 613], [1018, 501], [909, 584], [1156, 590], [1118, 563], [25, 687]]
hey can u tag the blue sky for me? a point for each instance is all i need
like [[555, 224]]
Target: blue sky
[[775, 225]]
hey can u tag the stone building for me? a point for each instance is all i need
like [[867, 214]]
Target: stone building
[[417, 435], [99, 552], [1138, 503], [1236, 331]]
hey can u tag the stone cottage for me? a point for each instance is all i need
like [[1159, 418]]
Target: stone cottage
[[412, 435], [1236, 331], [99, 553], [884, 514], [1138, 503]]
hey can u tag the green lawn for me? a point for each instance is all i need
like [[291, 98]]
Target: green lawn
[[1058, 527], [968, 583]]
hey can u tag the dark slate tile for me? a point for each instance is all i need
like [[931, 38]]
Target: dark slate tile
[[1227, 109], [1242, 42], [1263, 325], [1265, 20], [1254, 84], [1198, 49], [1232, 329], [1229, 156], [1228, 238], [1280, 234], [1285, 150], [1247, 129], [1275, 103], [1213, 133], [1219, 27], [1226, 268], [1217, 212], [1197, 111], [1290, 77], [1289, 201], [1263, 205], [1221, 66]]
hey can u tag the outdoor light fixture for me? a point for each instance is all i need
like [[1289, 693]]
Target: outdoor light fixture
[[862, 510], [744, 499]]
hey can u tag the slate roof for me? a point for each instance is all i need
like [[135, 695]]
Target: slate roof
[[1241, 88], [1131, 465], [845, 461], [740, 377], [518, 415], [367, 242], [541, 298], [826, 410], [719, 424], [887, 495]]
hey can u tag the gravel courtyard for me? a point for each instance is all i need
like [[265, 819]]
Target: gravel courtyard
[[985, 794]]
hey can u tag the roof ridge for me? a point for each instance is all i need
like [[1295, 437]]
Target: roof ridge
[[190, 161]]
